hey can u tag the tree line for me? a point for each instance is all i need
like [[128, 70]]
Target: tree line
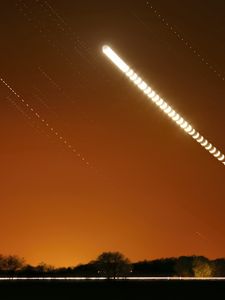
[[115, 264]]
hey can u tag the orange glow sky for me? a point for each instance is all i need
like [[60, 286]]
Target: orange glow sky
[[152, 191]]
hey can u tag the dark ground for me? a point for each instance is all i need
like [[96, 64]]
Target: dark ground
[[113, 290]]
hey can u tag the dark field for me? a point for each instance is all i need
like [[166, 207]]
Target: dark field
[[113, 290]]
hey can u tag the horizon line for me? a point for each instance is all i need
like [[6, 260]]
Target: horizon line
[[154, 278]]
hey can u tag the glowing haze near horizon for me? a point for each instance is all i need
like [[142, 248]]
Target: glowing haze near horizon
[[118, 175]]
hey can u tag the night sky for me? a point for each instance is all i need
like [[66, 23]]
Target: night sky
[[88, 164]]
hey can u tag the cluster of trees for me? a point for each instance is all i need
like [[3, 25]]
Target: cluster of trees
[[183, 266], [115, 264]]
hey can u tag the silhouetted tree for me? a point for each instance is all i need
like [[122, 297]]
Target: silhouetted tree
[[219, 267], [202, 267], [112, 265], [10, 264], [44, 268], [28, 270], [184, 266]]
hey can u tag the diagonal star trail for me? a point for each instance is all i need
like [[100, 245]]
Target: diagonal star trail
[[45, 123], [185, 42]]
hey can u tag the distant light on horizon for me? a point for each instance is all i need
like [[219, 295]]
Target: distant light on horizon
[[162, 104]]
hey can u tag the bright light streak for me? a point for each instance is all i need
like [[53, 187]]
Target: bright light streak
[[172, 114], [116, 279], [152, 96], [201, 139], [196, 136], [190, 131], [180, 121], [209, 147], [116, 59], [169, 111], [204, 143], [213, 151], [184, 125], [222, 157], [177, 117], [147, 90]]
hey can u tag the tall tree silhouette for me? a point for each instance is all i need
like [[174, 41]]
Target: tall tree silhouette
[[113, 264]]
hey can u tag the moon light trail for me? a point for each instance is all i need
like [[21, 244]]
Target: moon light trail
[[162, 104]]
